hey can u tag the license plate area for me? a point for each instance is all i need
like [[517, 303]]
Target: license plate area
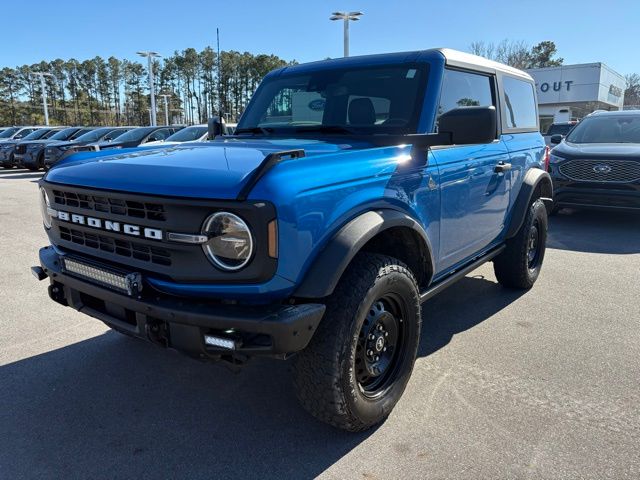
[[122, 282]]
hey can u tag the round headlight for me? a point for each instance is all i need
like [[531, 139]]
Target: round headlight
[[230, 244], [44, 208]]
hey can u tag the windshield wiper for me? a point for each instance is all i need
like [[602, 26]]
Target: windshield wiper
[[255, 130], [324, 129]]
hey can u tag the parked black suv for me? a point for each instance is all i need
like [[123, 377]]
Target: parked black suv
[[8, 148], [30, 154], [53, 153], [598, 163]]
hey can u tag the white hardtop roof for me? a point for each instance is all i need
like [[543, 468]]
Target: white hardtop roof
[[455, 58]]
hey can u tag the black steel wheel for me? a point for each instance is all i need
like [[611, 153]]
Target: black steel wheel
[[533, 245], [358, 363], [380, 345], [519, 265]]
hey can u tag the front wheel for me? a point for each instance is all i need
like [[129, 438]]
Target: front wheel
[[519, 265], [358, 363]]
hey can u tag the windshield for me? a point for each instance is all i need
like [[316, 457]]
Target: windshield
[[115, 134], [64, 134], [8, 132], [560, 128], [607, 129], [135, 135], [383, 99], [188, 134], [81, 132], [93, 135], [38, 134]]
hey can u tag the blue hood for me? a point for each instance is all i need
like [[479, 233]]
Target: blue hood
[[213, 170]]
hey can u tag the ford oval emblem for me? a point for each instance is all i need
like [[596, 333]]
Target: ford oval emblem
[[602, 168], [317, 105]]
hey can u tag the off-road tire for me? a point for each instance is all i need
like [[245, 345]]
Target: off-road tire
[[326, 375], [513, 267]]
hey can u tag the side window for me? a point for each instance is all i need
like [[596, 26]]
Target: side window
[[519, 104], [464, 89]]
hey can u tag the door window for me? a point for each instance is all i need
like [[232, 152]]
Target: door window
[[465, 89], [519, 104]]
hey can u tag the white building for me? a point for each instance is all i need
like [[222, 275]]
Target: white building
[[570, 92]]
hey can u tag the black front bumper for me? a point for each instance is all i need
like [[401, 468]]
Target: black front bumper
[[276, 330], [53, 156], [597, 196], [28, 159], [6, 158]]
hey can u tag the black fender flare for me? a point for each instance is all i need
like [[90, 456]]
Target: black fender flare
[[322, 277], [534, 180]]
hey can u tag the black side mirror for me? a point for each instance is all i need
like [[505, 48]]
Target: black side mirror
[[469, 125], [556, 139], [216, 127]]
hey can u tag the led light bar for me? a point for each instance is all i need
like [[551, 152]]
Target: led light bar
[[130, 284], [219, 342]]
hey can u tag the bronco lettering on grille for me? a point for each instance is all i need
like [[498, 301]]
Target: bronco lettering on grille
[[108, 225]]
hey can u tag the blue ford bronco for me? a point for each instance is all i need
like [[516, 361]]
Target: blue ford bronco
[[351, 191]]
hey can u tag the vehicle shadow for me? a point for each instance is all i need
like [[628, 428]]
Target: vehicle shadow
[[595, 232], [460, 307], [114, 407], [118, 407]]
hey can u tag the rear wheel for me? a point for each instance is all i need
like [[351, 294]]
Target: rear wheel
[[358, 363], [519, 265]]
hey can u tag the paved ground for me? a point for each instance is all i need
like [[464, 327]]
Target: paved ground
[[544, 384]]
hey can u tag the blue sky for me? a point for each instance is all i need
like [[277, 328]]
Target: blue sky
[[584, 30]]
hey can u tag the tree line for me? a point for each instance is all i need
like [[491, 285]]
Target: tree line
[[116, 91]]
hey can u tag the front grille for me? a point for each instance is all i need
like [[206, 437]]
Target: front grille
[[604, 171], [124, 248], [116, 206]]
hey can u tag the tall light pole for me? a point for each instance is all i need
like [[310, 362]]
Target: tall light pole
[[166, 108], [150, 56], [43, 86], [346, 17]]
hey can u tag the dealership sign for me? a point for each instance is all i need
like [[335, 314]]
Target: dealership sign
[[593, 82], [557, 86]]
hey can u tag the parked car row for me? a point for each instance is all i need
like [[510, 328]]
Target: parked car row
[[36, 147]]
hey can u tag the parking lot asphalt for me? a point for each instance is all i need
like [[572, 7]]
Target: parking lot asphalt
[[540, 384]]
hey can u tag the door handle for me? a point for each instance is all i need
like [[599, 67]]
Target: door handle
[[502, 167]]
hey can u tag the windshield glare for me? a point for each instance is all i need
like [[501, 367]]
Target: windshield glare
[[115, 134], [63, 134], [8, 132], [384, 99], [607, 129], [38, 134], [134, 135], [188, 134], [93, 135]]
